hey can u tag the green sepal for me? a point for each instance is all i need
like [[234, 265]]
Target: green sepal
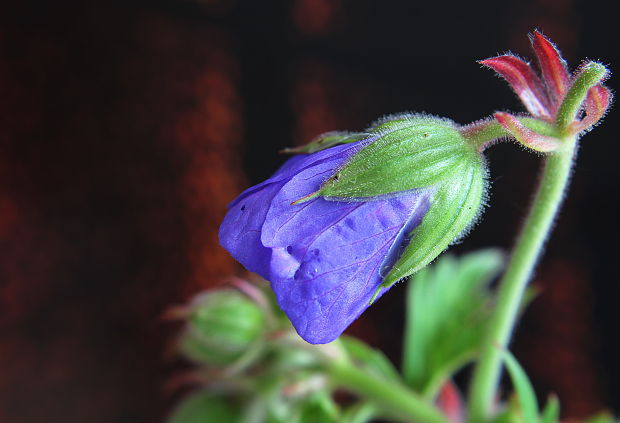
[[407, 152], [327, 140], [455, 206]]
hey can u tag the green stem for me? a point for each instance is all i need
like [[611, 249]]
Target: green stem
[[590, 75], [400, 399], [482, 133], [555, 178]]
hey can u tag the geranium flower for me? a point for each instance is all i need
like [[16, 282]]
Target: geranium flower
[[334, 229]]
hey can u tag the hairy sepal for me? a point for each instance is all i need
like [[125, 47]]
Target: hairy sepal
[[455, 207], [409, 152]]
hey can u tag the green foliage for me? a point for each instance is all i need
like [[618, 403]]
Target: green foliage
[[318, 408], [523, 406], [601, 418], [551, 412], [290, 381], [205, 407], [526, 397], [369, 358], [361, 412], [282, 408], [447, 307]]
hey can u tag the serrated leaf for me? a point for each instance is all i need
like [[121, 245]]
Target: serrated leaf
[[526, 396], [446, 311]]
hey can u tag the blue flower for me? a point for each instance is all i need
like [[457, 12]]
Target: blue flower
[[328, 257]]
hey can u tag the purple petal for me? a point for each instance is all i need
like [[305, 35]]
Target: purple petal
[[241, 229], [326, 280], [240, 232], [298, 163], [287, 224], [325, 259]]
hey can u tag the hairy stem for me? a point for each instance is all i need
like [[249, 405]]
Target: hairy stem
[[552, 185], [482, 133]]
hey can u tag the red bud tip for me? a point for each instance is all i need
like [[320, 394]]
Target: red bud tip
[[524, 82], [553, 68], [597, 102], [450, 402]]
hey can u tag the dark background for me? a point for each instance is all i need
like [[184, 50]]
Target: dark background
[[126, 127]]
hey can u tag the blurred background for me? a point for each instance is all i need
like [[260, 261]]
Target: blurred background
[[126, 128]]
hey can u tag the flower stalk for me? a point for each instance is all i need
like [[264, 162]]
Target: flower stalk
[[552, 186], [558, 100]]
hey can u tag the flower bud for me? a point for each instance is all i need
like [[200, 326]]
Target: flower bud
[[571, 104], [221, 326], [332, 228]]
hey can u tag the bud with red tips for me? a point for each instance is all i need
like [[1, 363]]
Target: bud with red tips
[[334, 229], [568, 104]]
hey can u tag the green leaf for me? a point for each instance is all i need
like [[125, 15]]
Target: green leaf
[[292, 398], [551, 412], [361, 412], [320, 407], [446, 312], [509, 414], [202, 407], [526, 396], [372, 359]]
